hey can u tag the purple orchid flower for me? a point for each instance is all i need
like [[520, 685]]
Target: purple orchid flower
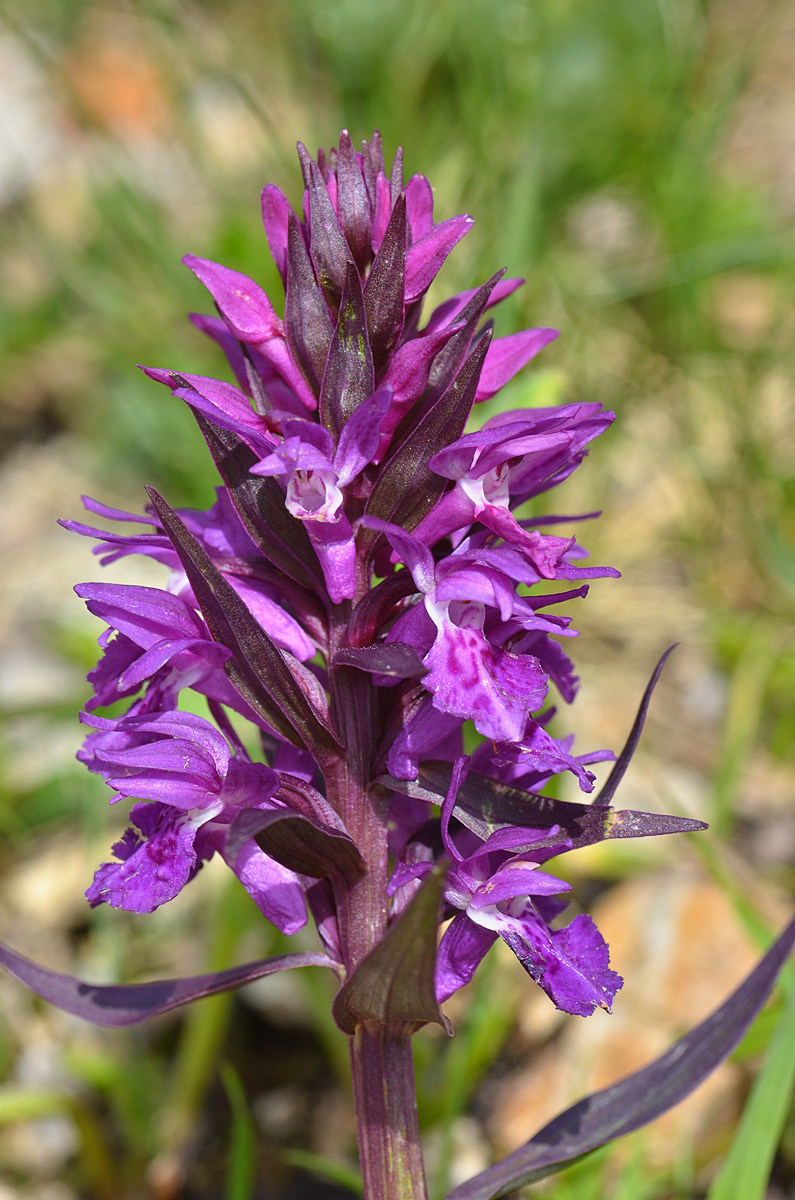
[[182, 766], [471, 609], [497, 890], [314, 475], [363, 593], [506, 463]]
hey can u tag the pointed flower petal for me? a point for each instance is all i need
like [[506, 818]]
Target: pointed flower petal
[[275, 215], [507, 355], [425, 258], [244, 306]]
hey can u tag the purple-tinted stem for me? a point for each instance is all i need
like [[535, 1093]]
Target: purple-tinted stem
[[382, 1065], [386, 1113]]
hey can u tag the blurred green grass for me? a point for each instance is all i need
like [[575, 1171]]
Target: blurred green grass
[[626, 156]]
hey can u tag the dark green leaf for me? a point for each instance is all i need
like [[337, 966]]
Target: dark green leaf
[[407, 488], [349, 378], [259, 502], [258, 668], [394, 984]]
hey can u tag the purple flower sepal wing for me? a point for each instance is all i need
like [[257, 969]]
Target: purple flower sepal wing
[[507, 356], [275, 219], [426, 256], [641, 1097], [251, 319], [117, 1005], [244, 306], [182, 759], [463, 947], [220, 402]]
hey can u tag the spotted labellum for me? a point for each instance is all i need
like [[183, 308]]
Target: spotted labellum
[[369, 585]]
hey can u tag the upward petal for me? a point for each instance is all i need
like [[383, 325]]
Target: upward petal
[[244, 306], [275, 217], [145, 615], [507, 355], [419, 206], [274, 889], [360, 436], [425, 258]]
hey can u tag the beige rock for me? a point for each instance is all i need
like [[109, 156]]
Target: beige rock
[[678, 944]]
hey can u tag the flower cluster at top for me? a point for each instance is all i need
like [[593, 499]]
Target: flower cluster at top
[[360, 589]]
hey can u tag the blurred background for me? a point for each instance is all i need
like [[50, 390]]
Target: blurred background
[[635, 160]]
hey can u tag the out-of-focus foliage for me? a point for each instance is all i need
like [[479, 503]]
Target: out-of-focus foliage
[[631, 158]]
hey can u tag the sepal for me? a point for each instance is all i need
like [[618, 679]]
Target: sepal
[[426, 257], [275, 214], [242, 303]]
